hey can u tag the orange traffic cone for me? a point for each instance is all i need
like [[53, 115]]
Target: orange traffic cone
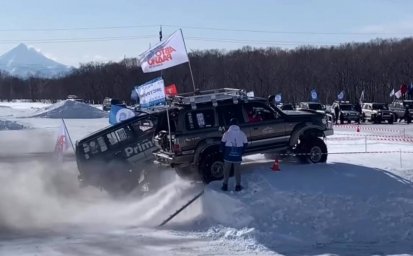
[[276, 166], [358, 128]]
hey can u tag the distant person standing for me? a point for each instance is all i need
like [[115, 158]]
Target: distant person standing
[[406, 115], [233, 144], [336, 113]]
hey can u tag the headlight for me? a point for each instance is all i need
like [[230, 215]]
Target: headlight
[[324, 120]]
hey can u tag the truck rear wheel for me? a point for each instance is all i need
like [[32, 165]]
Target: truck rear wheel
[[211, 166]]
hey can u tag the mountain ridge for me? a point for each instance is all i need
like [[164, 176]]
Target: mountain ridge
[[24, 62]]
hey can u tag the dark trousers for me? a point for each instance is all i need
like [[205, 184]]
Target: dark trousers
[[237, 172]]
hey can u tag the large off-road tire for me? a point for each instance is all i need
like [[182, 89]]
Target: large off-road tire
[[390, 121], [120, 178], [315, 150], [300, 150], [211, 166]]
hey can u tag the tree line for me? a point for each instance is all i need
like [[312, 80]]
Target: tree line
[[376, 67]]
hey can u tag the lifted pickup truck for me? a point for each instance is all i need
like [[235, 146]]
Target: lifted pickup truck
[[200, 119]]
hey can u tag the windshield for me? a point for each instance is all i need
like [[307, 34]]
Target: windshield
[[409, 105], [346, 107], [315, 106], [379, 106]]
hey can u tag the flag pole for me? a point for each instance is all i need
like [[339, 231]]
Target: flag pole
[[189, 62], [167, 103], [68, 135]]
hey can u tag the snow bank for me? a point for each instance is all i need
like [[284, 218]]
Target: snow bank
[[312, 207], [70, 109], [10, 125]]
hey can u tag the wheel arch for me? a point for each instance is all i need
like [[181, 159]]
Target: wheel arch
[[305, 130], [204, 146]]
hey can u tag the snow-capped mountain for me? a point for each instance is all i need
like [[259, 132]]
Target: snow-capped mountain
[[24, 62]]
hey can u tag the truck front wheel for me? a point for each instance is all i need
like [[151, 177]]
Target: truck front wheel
[[313, 150]]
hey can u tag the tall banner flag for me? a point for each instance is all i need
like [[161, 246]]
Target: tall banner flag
[[165, 54], [134, 95], [391, 93], [151, 93], [62, 142], [278, 98], [314, 95], [361, 100], [340, 96], [403, 89], [119, 113], [398, 94], [410, 91]]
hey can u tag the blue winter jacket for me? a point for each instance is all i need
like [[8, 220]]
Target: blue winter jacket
[[233, 144]]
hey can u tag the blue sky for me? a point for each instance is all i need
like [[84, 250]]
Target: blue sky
[[75, 31]]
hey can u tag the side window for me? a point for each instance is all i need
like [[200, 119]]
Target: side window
[[141, 126], [199, 119], [258, 112], [231, 111], [119, 135]]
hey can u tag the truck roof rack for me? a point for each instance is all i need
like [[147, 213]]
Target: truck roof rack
[[213, 96]]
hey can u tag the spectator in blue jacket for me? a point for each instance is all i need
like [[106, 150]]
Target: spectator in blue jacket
[[233, 144]]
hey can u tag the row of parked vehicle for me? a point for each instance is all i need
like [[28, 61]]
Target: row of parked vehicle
[[375, 112]]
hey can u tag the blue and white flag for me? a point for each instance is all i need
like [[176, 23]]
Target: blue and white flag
[[341, 95], [314, 95], [134, 95], [151, 93], [410, 91], [278, 98], [119, 113]]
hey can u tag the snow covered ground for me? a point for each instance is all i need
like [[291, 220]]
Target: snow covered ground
[[359, 203]]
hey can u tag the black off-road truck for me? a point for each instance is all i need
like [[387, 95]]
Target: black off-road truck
[[119, 157], [192, 148]]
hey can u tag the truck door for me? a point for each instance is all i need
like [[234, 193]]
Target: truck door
[[267, 128]]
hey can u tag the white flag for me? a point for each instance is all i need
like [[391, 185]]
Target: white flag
[[361, 100], [392, 93], [398, 94], [165, 54]]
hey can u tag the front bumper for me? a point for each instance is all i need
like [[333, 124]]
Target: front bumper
[[351, 118], [172, 160], [328, 132]]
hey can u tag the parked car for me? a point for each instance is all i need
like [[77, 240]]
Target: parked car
[[398, 108], [108, 102], [75, 98], [376, 112], [345, 112], [286, 106], [316, 106]]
